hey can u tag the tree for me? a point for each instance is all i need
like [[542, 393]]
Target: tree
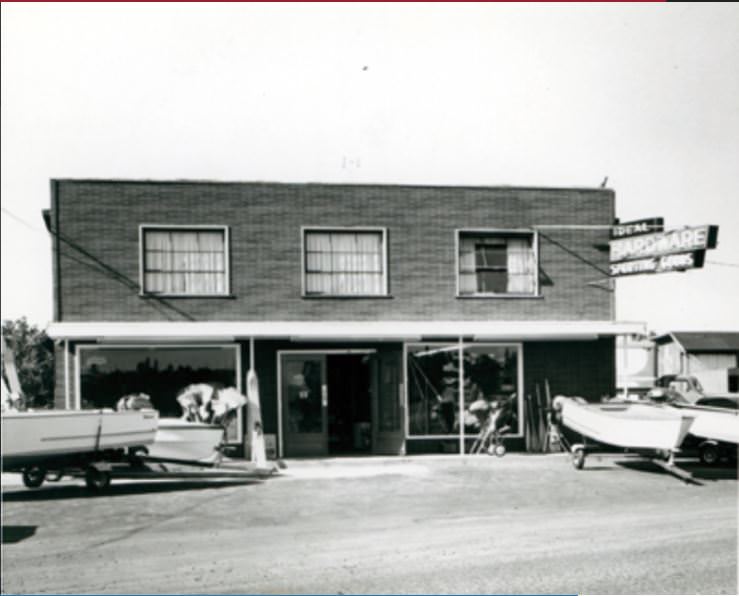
[[34, 361]]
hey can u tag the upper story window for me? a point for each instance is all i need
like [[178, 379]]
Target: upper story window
[[344, 262], [185, 261], [497, 263]]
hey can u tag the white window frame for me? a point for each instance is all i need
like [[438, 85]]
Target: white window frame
[[500, 232], [103, 346], [452, 344], [347, 229], [184, 228]]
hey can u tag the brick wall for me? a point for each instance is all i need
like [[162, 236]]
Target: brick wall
[[99, 261]]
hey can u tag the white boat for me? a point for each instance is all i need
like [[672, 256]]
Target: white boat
[[626, 424], [717, 424], [30, 437], [179, 439]]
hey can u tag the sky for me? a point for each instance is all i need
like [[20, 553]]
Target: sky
[[452, 94]]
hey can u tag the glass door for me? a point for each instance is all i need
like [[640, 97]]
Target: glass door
[[304, 405]]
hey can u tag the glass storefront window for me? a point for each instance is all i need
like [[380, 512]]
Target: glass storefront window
[[107, 374], [490, 373], [433, 389]]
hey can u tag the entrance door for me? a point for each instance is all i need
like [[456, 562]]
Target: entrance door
[[350, 391], [388, 406], [304, 404]]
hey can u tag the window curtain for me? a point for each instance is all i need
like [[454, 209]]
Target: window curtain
[[344, 263], [185, 262], [521, 265], [467, 265]]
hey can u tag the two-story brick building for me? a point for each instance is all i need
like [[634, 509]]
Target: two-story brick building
[[372, 314]]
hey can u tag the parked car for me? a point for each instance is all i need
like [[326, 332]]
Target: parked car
[[690, 388], [728, 402]]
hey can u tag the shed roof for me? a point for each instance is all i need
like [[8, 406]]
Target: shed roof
[[698, 341]]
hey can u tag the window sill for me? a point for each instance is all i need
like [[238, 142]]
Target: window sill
[[347, 297], [503, 296], [191, 296]]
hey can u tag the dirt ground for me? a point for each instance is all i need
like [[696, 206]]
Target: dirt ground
[[517, 524]]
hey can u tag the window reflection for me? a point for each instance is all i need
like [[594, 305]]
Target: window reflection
[[490, 373], [433, 389], [107, 374], [305, 411]]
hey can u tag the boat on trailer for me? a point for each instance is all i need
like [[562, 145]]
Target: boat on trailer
[[639, 427], [627, 425], [98, 445], [178, 439], [33, 436], [35, 443]]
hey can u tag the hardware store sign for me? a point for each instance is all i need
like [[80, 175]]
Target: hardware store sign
[[663, 264], [661, 252]]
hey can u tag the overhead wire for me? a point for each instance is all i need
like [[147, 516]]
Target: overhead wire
[[100, 266]]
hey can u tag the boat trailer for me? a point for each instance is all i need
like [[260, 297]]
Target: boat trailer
[[98, 469]]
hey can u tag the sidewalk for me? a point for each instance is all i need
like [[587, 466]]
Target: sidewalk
[[368, 466]]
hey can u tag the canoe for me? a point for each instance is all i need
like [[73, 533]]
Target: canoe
[[30, 437], [179, 439], [625, 424]]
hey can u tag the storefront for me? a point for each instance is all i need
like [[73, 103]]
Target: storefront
[[350, 387], [374, 315]]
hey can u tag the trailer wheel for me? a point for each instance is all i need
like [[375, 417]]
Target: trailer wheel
[[97, 480], [34, 476], [664, 454], [709, 454], [578, 458], [54, 476]]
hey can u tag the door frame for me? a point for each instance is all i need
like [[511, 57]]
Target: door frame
[[323, 352]]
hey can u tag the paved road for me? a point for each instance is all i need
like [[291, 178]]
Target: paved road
[[520, 524]]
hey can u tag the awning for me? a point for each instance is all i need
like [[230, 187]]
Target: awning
[[171, 331]]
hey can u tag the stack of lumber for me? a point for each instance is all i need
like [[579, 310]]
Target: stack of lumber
[[536, 419]]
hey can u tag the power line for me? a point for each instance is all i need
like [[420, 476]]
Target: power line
[[21, 220], [97, 264], [723, 264], [575, 254]]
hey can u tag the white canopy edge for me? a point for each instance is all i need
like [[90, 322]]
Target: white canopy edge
[[110, 332]]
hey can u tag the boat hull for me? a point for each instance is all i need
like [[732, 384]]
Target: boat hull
[[631, 426], [179, 439], [714, 424], [29, 437]]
